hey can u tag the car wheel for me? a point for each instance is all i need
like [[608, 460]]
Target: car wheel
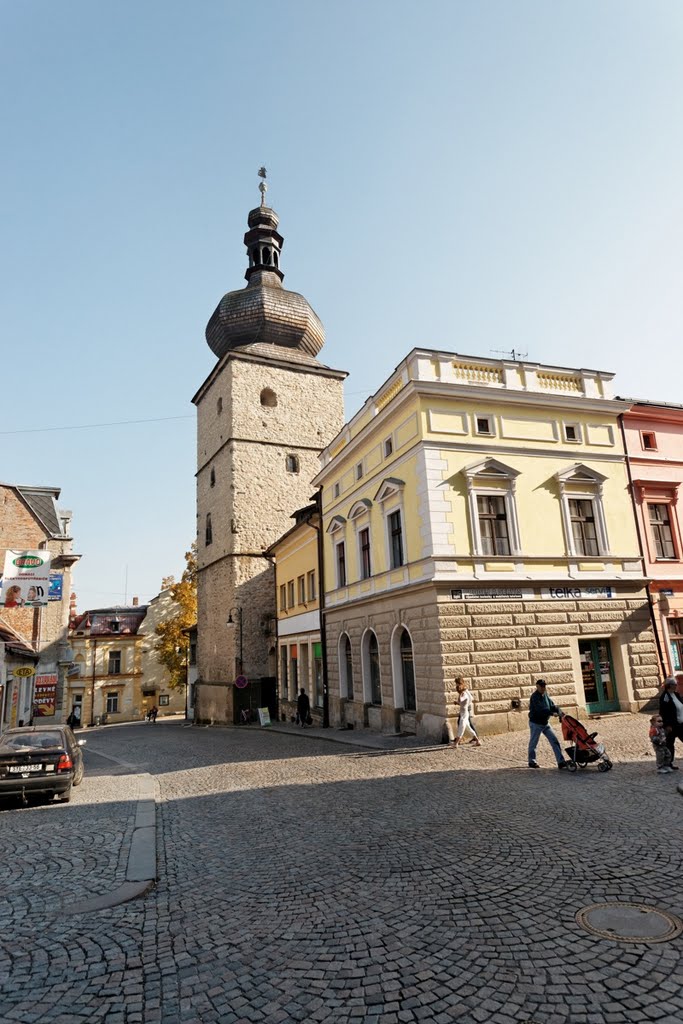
[[78, 777]]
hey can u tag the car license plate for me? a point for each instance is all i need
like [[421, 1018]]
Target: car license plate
[[25, 768]]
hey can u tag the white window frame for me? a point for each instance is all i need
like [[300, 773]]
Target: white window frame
[[337, 532], [388, 447], [492, 432], [359, 515], [476, 477], [586, 485], [310, 585], [572, 440], [390, 498]]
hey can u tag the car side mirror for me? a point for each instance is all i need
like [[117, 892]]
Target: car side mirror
[[82, 743]]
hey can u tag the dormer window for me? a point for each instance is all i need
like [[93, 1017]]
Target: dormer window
[[115, 626]]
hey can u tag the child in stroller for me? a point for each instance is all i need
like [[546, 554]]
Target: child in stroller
[[584, 749]]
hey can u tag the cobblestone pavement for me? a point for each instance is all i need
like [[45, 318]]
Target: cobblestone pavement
[[301, 880]]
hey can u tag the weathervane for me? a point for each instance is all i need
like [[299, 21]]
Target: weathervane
[[263, 188]]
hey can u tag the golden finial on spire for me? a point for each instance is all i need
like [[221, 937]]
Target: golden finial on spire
[[263, 188]]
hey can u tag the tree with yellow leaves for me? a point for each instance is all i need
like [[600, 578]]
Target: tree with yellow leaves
[[172, 644]]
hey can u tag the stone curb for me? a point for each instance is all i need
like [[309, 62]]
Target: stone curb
[[380, 746], [141, 869]]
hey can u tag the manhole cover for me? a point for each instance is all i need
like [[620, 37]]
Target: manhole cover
[[629, 922]]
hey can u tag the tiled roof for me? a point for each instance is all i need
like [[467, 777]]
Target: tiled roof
[[42, 502], [98, 621]]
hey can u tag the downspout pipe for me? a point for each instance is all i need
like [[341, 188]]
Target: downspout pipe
[[641, 547], [321, 607]]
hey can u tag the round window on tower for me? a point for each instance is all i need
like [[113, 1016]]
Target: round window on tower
[[268, 398]]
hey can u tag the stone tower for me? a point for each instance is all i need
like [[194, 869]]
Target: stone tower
[[264, 413]]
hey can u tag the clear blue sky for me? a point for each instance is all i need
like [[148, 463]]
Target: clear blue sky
[[468, 176]]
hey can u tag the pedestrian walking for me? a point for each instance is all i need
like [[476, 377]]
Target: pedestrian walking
[[303, 707], [658, 740], [541, 707], [465, 713], [153, 713], [671, 710]]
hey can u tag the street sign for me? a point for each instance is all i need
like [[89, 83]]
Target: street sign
[[24, 671], [241, 682]]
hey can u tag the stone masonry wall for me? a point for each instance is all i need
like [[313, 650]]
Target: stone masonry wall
[[502, 648], [251, 504]]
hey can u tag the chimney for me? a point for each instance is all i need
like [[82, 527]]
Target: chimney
[[135, 602]]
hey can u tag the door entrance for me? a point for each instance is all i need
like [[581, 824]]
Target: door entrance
[[597, 671]]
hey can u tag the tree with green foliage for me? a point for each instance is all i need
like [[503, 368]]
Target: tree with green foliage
[[172, 644]]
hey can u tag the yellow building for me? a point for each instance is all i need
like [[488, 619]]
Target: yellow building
[[300, 654], [477, 522], [115, 675]]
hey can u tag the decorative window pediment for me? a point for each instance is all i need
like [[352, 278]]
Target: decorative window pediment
[[580, 474], [491, 468], [336, 523], [359, 508], [392, 485]]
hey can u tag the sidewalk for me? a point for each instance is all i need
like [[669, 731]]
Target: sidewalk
[[355, 737]]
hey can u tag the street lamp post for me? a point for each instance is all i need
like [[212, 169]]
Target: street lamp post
[[237, 612], [235, 618], [92, 685]]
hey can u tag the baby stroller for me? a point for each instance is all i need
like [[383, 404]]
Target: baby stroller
[[583, 750]]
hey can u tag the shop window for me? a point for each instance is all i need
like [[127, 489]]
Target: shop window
[[345, 668]]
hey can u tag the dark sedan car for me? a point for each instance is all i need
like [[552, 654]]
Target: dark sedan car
[[40, 760]]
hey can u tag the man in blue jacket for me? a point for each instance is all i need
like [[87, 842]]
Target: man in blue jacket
[[541, 707]]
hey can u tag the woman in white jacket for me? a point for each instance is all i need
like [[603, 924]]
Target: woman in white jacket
[[465, 719]]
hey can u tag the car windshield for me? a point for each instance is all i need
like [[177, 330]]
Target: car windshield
[[33, 741]]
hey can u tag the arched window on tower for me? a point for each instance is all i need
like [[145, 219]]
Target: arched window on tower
[[212, 478], [268, 398], [219, 406], [292, 463], [275, 256], [266, 257], [208, 532]]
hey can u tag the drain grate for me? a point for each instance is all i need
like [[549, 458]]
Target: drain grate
[[629, 922]]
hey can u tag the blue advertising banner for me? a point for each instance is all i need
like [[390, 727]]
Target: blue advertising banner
[[56, 584]]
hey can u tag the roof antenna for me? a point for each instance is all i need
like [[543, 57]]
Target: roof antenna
[[509, 354], [263, 188]]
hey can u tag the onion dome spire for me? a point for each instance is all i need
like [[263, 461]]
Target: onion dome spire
[[264, 312]]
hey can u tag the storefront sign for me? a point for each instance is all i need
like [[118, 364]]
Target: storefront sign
[[45, 695], [264, 716], [24, 671], [492, 594], [578, 593], [56, 586], [26, 579]]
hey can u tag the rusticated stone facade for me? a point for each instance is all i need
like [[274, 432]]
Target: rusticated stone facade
[[499, 647], [263, 416]]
